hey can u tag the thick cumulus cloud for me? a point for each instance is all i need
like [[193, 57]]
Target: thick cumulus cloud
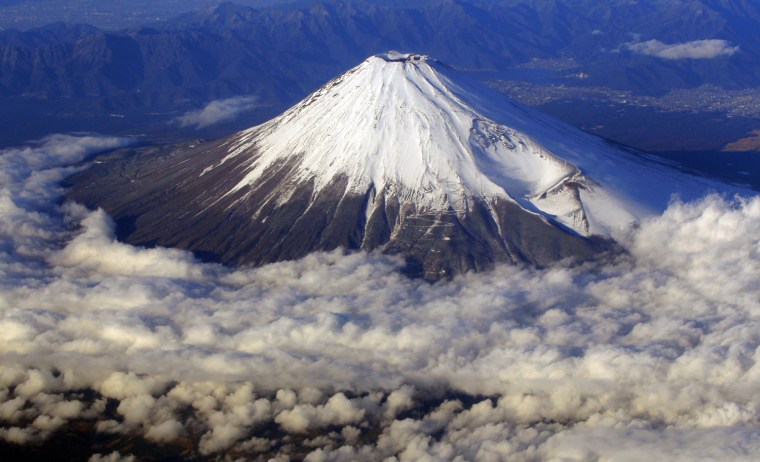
[[338, 357], [217, 111], [696, 49]]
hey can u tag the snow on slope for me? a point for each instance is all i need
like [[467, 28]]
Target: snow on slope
[[411, 125]]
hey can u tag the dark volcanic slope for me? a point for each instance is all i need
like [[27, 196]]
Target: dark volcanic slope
[[164, 199]]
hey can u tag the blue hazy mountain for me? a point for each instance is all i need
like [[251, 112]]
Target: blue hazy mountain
[[281, 53], [221, 49]]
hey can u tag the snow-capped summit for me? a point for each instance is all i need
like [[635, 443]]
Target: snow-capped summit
[[403, 154], [400, 122]]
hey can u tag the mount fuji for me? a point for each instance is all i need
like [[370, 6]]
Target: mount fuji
[[400, 154]]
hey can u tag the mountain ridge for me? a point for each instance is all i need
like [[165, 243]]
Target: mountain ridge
[[322, 39], [280, 54]]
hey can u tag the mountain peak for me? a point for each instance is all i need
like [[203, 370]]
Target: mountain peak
[[401, 154], [405, 124], [398, 122]]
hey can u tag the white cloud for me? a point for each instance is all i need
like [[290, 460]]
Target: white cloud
[[340, 357], [696, 49], [166, 432], [217, 111], [96, 249], [119, 385], [338, 410], [112, 457]]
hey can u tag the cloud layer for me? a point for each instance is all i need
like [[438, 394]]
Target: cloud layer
[[217, 111], [338, 357], [696, 49]]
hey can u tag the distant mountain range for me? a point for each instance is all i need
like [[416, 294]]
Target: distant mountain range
[[229, 49], [74, 77]]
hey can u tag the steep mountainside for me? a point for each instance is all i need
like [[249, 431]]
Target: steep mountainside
[[401, 154]]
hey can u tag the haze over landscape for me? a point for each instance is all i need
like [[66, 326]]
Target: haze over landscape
[[252, 232]]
